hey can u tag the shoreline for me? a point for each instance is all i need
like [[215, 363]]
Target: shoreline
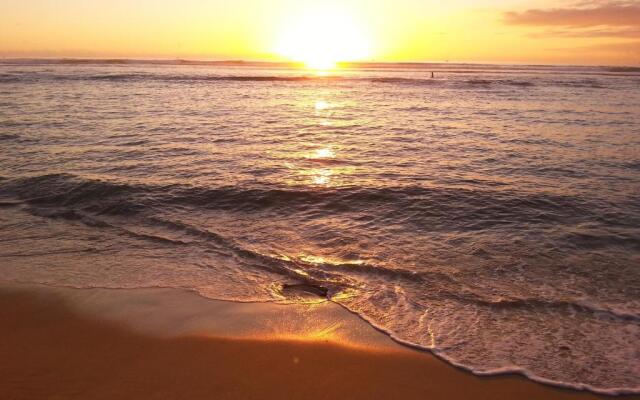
[[170, 343]]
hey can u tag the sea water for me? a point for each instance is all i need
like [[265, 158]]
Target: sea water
[[490, 214]]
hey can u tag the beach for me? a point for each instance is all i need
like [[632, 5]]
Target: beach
[[52, 347], [340, 199], [212, 217]]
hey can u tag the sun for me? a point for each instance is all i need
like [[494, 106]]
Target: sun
[[320, 38]]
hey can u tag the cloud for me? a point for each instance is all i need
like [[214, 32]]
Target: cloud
[[589, 19], [606, 32], [616, 14]]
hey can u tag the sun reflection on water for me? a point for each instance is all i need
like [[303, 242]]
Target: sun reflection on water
[[320, 162], [321, 105], [321, 176], [312, 259], [325, 152], [319, 166]]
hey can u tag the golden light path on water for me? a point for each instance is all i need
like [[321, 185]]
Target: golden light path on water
[[322, 167], [319, 164]]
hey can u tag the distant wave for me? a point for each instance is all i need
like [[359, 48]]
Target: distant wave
[[8, 78], [35, 77], [623, 69], [158, 77]]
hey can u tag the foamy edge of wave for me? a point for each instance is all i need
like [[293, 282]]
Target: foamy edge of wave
[[497, 371]]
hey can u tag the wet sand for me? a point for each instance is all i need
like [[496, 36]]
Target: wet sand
[[51, 349]]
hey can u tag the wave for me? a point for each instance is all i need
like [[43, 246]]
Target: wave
[[92, 201], [580, 83], [139, 77], [237, 78], [446, 81], [488, 82], [129, 77], [466, 208], [439, 81], [623, 69], [8, 136]]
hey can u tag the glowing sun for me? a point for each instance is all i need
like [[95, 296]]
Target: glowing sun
[[321, 38]]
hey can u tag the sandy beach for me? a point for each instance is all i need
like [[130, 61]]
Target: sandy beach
[[53, 348]]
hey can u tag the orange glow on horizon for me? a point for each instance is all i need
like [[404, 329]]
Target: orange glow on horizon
[[321, 34]]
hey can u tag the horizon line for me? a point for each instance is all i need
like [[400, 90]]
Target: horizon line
[[293, 64]]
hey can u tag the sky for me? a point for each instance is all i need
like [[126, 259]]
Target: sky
[[516, 31]]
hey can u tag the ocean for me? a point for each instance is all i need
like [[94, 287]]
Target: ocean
[[490, 214]]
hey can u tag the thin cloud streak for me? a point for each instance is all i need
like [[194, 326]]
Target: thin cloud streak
[[590, 33]]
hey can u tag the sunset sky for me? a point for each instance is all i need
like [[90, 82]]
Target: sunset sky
[[526, 31]]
